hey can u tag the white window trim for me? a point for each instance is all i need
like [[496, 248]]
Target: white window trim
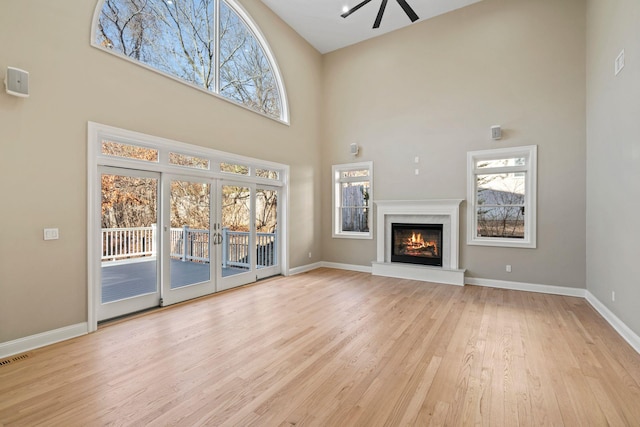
[[529, 152], [336, 201], [255, 31]]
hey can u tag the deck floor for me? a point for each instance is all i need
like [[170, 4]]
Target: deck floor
[[125, 280]]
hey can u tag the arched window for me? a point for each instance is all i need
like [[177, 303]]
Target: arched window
[[210, 44]]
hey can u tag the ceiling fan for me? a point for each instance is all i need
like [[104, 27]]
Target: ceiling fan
[[407, 9]]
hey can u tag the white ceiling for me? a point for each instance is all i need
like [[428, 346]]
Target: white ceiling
[[320, 23]]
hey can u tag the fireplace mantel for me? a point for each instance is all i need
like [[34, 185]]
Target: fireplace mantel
[[444, 211]]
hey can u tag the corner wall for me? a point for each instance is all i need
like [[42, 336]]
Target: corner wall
[[433, 90], [613, 157]]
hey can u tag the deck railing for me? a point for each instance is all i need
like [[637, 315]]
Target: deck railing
[[235, 249], [189, 244], [140, 242], [125, 243]]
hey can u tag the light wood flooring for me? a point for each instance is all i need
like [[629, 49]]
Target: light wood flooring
[[337, 348]]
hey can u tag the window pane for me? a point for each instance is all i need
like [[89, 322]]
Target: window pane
[[190, 243], [354, 173], [266, 227], [129, 218], [499, 163], [355, 219], [267, 173], [237, 169], [245, 73], [501, 189], [118, 149], [355, 194], [503, 221], [188, 161], [355, 207], [236, 220], [175, 37]]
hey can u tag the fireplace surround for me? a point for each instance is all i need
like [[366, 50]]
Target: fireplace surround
[[445, 212]]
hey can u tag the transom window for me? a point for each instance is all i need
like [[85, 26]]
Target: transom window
[[121, 148], [210, 44], [502, 196], [352, 192]]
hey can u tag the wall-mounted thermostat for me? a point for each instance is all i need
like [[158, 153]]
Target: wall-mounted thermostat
[[17, 82]]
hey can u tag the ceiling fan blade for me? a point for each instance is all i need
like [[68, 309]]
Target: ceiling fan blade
[[353, 9], [408, 10], [376, 24]]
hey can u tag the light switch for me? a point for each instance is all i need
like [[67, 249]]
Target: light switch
[[51, 234], [619, 65]]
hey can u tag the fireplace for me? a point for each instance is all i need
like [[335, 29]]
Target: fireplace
[[416, 243], [412, 213]]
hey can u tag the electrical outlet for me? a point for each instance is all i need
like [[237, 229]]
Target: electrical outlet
[[613, 296], [309, 254], [508, 268], [51, 234]]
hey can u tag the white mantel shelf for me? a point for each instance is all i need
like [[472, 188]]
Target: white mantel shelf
[[448, 211]]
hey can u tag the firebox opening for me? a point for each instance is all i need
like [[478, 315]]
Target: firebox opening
[[417, 244]]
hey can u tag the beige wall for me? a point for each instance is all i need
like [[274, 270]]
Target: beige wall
[[613, 157], [433, 90], [43, 285]]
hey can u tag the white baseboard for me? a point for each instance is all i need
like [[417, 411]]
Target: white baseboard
[[621, 328], [31, 342], [625, 332], [349, 267], [336, 265], [303, 269], [528, 287]]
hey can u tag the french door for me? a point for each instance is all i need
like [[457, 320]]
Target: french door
[[155, 240], [250, 236], [169, 221], [168, 238], [188, 213], [130, 267], [267, 229]]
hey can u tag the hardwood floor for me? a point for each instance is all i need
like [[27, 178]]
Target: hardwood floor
[[337, 348]]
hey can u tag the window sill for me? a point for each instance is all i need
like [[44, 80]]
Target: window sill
[[357, 236], [505, 243]]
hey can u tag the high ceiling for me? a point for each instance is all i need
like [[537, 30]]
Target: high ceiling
[[320, 23]]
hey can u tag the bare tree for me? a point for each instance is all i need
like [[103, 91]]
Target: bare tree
[[190, 204], [266, 210], [179, 38], [500, 205], [236, 207], [245, 73]]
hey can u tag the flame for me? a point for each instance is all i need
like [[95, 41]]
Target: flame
[[416, 241]]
